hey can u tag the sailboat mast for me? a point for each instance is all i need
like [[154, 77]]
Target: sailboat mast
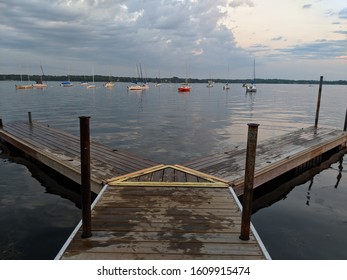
[[42, 73], [254, 70]]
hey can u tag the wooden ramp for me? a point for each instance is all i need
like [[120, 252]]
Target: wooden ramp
[[274, 157], [61, 152], [165, 212]]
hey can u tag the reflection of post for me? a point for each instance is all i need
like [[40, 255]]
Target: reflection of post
[[308, 196], [249, 181], [318, 101], [85, 177], [339, 176]]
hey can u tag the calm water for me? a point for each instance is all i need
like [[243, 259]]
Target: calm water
[[37, 212]]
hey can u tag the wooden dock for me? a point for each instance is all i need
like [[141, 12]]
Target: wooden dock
[[165, 212], [274, 156], [148, 210], [61, 152]]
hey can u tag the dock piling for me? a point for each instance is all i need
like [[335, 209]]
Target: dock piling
[[30, 119], [345, 125], [1, 125], [318, 101], [85, 176], [249, 181]]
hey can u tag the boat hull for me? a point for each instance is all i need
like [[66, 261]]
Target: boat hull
[[251, 88], [66, 84], [183, 89], [24, 86], [39, 85]]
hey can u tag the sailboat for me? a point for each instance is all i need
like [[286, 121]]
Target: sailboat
[[21, 86], [185, 87], [40, 83], [139, 86], [67, 83], [252, 87], [84, 82], [210, 82], [158, 81], [92, 85], [226, 86], [110, 83]]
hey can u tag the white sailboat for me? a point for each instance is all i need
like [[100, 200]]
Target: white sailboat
[[139, 85], [92, 85], [110, 84], [252, 87], [210, 82], [40, 83], [226, 86]]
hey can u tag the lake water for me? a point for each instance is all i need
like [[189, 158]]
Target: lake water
[[38, 212]]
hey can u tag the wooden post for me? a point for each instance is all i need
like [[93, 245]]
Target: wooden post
[[249, 181], [1, 125], [30, 119], [345, 125], [85, 177], [318, 101]]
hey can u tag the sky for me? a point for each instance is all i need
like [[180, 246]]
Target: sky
[[288, 39]]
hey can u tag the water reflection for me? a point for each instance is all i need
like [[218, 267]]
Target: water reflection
[[280, 188], [171, 128], [38, 212], [339, 176]]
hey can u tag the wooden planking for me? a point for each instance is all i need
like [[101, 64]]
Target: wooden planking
[[166, 222], [274, 157], [57, 140], [61, 151]]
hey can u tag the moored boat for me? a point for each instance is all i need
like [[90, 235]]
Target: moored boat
[[137, 86], [24, 86], [66, 84], [21, 86], [251, 87], [39, 84], [109, 84], [185, 87], [210, 84]]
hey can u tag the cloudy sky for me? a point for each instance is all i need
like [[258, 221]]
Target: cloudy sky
[[290, 39]]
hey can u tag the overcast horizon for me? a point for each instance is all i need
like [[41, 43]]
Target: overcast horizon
[[297, 40]]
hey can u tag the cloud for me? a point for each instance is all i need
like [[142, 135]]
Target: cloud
[[161, 34], [238, 3], [320, 49], [279, 38], [307, 6], [197, 51], [117, 32], [343, 13]]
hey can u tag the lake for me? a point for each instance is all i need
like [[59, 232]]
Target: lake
[[38, 212]]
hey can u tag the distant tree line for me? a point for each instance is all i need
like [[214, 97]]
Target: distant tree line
[[100, 78]]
